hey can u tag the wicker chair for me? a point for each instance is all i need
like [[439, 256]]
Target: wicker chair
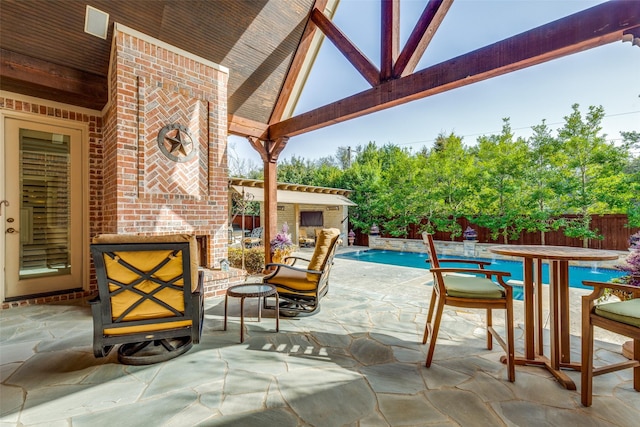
[[462, 287], [150, 299]]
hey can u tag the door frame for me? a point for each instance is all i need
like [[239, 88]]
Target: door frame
[[83, 128]]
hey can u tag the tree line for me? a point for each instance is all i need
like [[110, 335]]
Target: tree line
[[505, 183]]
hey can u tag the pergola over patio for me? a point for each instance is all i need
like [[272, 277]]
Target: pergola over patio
[[360, 359], [269, 46]]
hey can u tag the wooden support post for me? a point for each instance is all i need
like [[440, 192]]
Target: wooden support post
[[270, 206], [269, 152]]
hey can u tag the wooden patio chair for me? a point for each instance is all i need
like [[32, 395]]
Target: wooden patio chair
[[300, 288], [469, 288], [150, 298], [619, 317], [304, 240]]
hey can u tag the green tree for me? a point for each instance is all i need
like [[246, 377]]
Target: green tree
[[592, 171], [501, 163], [296, 170], [326, 174], [399, 202], [364, 178], [631, 141], [451, 172], [542, 183]]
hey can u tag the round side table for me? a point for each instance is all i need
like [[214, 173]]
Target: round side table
[[251, 290]]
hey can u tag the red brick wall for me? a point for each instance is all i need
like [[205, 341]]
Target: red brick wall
[[144, 191], [133, 188]]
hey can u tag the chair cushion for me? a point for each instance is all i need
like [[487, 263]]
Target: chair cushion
[[472, 287], [167, 238], [294, 279], [148, 328], [145, 261], [624, 312], [324, 242], [303, 238]]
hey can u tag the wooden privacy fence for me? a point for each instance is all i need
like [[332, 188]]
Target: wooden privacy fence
[[250, 221], [611, 226]]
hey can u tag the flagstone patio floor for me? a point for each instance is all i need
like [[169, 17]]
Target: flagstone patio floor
[[358, 362]]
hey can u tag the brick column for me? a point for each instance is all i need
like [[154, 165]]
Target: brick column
[[153, 85]]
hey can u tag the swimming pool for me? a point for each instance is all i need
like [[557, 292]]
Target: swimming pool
[[417, 260]]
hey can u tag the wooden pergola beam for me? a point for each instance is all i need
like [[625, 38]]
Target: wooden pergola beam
[[237, 125], [431, 18], [390, 37], [358, 59], [597, 26], [296, 67]]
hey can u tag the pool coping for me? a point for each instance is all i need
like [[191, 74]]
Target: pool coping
[[471, 249]]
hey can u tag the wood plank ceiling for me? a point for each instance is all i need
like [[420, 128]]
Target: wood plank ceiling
[[45, 53]]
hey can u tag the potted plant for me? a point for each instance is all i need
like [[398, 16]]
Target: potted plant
[[281, 245], [352, 237], [470, 234]]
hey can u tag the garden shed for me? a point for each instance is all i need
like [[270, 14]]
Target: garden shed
[[303, 207]]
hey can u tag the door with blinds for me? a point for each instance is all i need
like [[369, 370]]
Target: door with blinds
[[42, 208]]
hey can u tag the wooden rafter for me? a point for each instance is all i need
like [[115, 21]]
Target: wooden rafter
[[358, 59], [237, 125], [597, 26], [431, 18], [52, 80], [296, 67], [390, 37]]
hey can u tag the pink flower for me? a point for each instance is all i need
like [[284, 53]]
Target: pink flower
[[282, 239], [632, 266]]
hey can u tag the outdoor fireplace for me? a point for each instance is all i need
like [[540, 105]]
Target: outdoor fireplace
[[165, 163]]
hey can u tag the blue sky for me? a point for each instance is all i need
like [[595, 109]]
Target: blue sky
[[608, 75]]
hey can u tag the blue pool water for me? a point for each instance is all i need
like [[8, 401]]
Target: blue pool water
[[417, 260]]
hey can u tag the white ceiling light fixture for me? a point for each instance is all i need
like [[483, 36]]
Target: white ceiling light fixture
[[96, 22]]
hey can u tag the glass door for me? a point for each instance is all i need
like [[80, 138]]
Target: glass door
[[43, 209]]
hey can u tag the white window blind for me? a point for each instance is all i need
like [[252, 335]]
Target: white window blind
[[45, 210]]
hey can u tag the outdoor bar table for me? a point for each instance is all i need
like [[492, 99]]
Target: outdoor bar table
[[558, 257]]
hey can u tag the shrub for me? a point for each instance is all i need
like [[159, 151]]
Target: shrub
[[253, 259]]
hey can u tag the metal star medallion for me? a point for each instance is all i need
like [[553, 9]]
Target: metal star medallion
[[176, 143]]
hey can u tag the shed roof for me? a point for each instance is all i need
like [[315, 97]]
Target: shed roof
[[294, 193], [297, 196]]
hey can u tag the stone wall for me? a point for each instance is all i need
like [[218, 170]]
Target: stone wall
[[474, 250]]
